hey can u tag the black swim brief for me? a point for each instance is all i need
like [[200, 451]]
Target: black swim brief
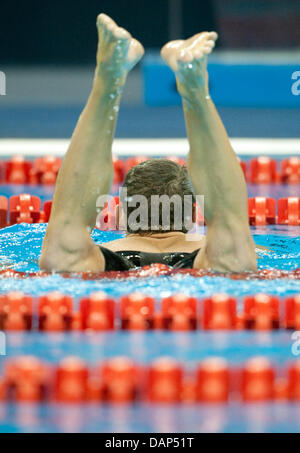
[[126, 260]]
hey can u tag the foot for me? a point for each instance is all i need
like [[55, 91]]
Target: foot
[[117, 51], [188, 59]]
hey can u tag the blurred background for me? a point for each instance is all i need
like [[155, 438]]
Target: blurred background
[[48, 55]]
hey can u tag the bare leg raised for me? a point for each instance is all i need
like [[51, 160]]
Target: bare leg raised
[[87, 168], [212, 163]]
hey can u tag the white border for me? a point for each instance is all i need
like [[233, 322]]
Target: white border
[[150, 147]]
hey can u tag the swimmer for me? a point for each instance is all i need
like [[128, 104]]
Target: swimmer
[[212, 170]]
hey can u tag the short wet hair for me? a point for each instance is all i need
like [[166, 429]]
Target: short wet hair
[[160, 177]]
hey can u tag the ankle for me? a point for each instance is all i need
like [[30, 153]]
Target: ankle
[[193, 93], [108, 82]]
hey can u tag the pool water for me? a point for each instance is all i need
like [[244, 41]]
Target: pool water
[[20, 247]]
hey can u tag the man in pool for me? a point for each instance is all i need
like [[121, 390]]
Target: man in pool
[[213, 171]]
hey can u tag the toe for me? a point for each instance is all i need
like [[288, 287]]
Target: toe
[[102, 21], [198, 41], [213, 35], [121, 33], [205, 37], [173, 45], [106, 27], [190, 41], [207, 50], [105, 20], [185, 56], [198, 53], [202, 44], [171, 48], [210, 43]]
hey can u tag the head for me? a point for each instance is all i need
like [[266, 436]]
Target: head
[[157, 196]]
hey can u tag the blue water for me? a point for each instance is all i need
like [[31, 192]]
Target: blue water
[[272, 418], [144, 347], [20, 247]]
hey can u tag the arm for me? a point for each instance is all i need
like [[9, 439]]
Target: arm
[[213, 166], [87, 169]]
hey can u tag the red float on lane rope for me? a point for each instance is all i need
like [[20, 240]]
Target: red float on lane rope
[[26, 380], [24, 208], [44, 170], [47, 210], [15, 311], [294, 381], [119, 380], [290, 170], [71, 381], [97, 312], [263, 170], [179, 312], [261, 312], [55, 312], [261, 211], [165, 381], [288, 211], [119, 171], [3, 211], [2, 390], [17, 170], [258, 378], [137, 312], [212, 381], [292, 313], [219, 312]]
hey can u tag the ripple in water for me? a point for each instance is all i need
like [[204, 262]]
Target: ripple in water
[[20, 247]]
